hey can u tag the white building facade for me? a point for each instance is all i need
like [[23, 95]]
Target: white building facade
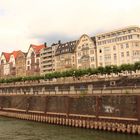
[[118, 47]]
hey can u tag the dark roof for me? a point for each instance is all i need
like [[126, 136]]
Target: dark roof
[[93, 39], [68, 47]]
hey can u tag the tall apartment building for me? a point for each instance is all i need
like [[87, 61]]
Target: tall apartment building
[[118, 47], [65, 56], [47, 59], [86, 52]]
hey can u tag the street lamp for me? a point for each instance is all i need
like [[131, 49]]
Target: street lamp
[[74, 74], [111, 70]]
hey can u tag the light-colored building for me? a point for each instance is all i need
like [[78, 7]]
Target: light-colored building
[[5, 65], [121, 46], [10, 64], [86, 52], [47, 59], [33, 59], [65, 56]]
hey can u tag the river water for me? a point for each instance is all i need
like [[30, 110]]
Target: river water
[[12, 129]]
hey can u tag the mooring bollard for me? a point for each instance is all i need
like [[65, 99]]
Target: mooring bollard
[[138, 129], [113, 127], [84, 123], [70, 122], [129, 129], [134, 129], [104, 125]]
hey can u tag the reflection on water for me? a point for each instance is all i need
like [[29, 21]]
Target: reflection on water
[[12, 129]]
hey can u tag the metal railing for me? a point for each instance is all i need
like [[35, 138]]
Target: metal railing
[[78, 91]]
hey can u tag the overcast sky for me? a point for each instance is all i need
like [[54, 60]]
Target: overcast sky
[[25, 22]]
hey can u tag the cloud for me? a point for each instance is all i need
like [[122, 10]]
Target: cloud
[[39, 21], [54, 38], [2, 12]]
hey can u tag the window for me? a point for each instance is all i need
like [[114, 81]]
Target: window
[[130, 37], [121, 46], [106, 49], [79, 54], [2, 61], [28, 68], [37, 61], [127, 53], [107, 57], [124, 37], [28, 62], [115, 56], [136, 44], [122, 54], [100, 51], [114, 48], [92, 59], [127, 46]]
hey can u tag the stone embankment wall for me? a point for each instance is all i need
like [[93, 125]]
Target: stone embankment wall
[[120, 113], [119, 86]]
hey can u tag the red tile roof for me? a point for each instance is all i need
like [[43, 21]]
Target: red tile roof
[[15, 53], [37, 48], [7, 56]]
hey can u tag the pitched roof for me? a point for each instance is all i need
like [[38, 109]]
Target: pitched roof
[[14, 53], [7, 56], [37, 48]]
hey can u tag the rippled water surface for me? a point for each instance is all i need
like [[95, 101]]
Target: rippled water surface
[[12, 129]]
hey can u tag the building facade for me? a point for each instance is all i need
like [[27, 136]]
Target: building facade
[[20, 64], [47, 59], [5, 65], [33, 60], [118, 47], [10, 66], [65, 57], [86, 53]]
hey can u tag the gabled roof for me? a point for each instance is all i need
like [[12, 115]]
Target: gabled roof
[[37, 48], [6, 55], [14, 53]]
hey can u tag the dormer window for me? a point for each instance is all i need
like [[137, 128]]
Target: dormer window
[[2, 61]]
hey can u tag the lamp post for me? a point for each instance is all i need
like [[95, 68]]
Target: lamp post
[[111, 70], [74, 74]]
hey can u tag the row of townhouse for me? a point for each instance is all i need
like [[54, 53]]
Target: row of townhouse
[[18, 63], [121, 46]]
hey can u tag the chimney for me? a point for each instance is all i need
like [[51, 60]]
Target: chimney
[[59, 41], [45, 44]]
